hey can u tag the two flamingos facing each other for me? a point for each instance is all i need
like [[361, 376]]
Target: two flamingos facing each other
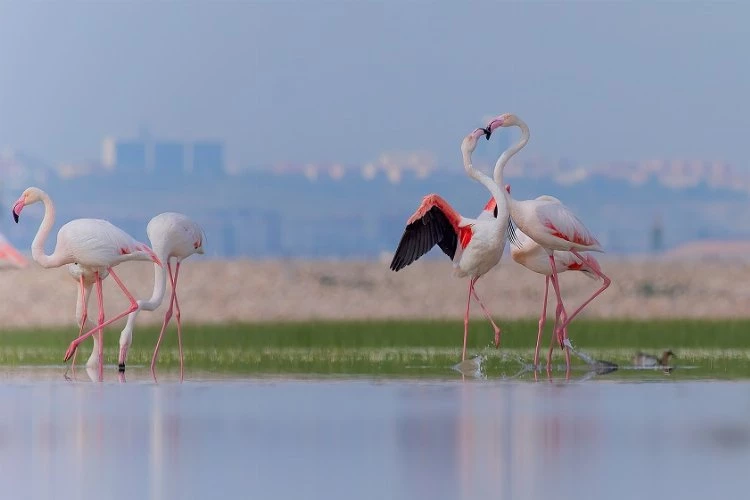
[[172, 236], [553, 227], [95, 245], [474, 245]]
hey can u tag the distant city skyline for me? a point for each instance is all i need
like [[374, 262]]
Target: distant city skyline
[[341, 81]]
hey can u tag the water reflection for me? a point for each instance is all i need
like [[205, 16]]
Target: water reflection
[[361, 439]]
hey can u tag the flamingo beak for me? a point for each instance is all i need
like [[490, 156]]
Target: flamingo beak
[[487, 132], [17, 209]]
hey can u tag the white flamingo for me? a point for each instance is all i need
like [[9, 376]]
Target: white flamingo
[[91, 243], [474, 245], [172, 235], [548, 222]]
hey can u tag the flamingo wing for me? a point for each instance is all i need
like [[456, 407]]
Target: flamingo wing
[[434, 223], [98, 243], [563, 223]]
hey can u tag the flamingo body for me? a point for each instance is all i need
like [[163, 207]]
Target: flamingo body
[[553, 225], [474, 245], [534, 257], [97, 243]]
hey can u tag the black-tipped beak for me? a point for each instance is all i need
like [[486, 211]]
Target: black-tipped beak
[[487, 133], [15, 216]]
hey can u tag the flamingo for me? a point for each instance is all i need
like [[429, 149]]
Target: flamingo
[[172, 235], [94, 244], [474, 245], [532, 256], [548, 222]]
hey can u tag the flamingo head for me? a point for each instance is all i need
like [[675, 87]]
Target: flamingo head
[[469, 143], [29, 196], [507, 188], [504, 120]]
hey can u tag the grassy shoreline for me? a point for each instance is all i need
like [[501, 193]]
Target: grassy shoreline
[[719, 348]]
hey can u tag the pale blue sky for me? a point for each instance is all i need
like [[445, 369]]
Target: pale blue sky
[[335, 80]]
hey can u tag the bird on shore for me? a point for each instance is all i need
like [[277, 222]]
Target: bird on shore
[[93, 244], [172, 236], [550, 224], [474, 245], [644, 360]]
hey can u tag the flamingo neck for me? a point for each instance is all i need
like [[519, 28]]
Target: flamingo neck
[[506, 156], [494, 189], [160, 284], [37, 246]]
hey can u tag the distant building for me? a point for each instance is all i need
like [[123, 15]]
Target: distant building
[[163, 157], [130, 156], [208, 158], [169, 157]]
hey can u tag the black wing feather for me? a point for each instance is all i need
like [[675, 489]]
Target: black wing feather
[[421, 235]]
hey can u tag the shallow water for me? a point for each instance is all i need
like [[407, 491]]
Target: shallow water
[[370, 438]]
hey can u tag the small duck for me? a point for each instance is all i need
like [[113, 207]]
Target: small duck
[[471, 367], [646, 360]]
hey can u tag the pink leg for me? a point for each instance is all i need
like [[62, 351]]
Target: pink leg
[[133, 306], [606, 284], [167, 317], [556, 285], [542, 320], [177, 316], [100, 298], [466, 319], [488, 316], [560, 316]]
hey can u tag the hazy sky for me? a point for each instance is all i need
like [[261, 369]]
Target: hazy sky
[[335, 80]]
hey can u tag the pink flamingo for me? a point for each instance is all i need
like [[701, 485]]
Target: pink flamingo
[[550, 224], [474, 245], [172, 235], [94, 244]]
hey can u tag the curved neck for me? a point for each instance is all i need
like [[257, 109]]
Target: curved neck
[[507, 155], [493, 188], [160, 285], [37, 246]]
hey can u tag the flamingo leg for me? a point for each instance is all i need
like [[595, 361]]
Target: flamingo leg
[[488, 316], [542, 320], [133, 306], [100, 298], [177, 316], [604, 286], [560, 311], [167, 317], [466, 319]]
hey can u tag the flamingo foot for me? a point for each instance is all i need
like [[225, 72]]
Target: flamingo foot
[[71, 350]]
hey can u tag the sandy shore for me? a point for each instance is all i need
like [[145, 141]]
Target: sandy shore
[[216, 291]]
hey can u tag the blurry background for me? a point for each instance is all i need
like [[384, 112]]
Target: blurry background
[[311, 129]]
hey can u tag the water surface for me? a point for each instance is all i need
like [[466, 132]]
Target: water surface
[[370, 438]]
